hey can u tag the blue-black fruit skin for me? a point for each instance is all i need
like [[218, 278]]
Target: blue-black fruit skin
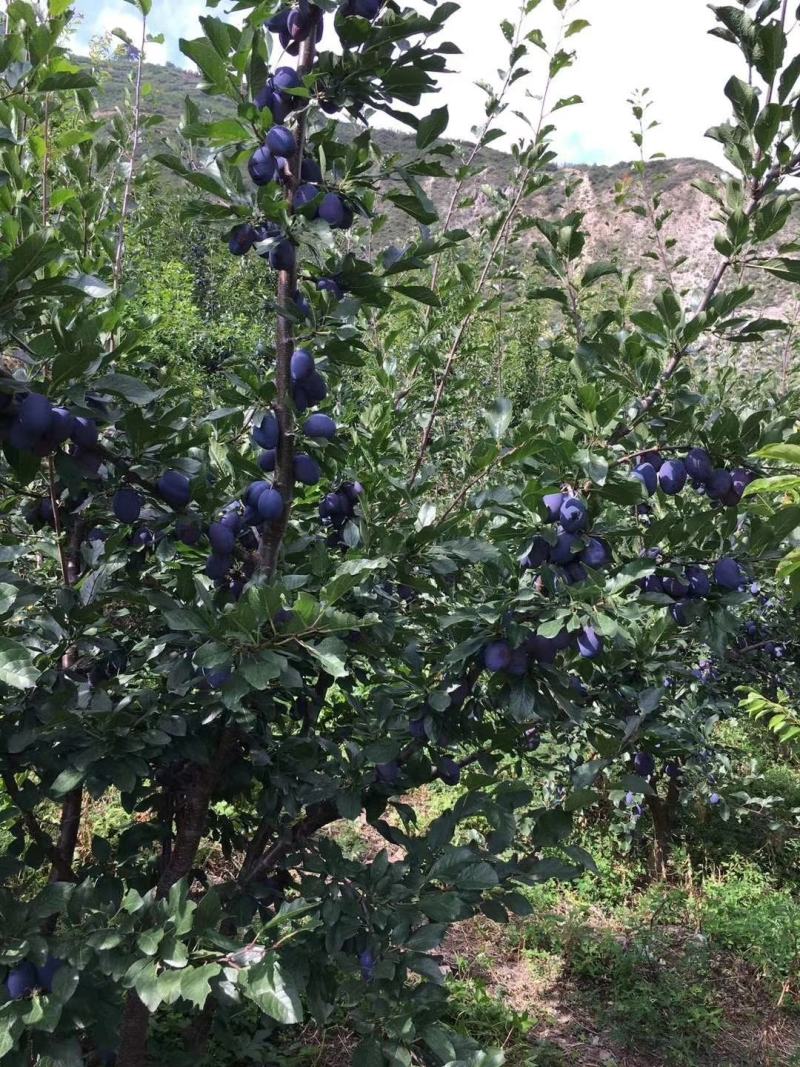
[[655, 459], [728, 574], [262, 167], [699, 582], [61, 424], [310, 170], [647, 475], [672, 477], [35, 414], [188, 532], [84, 432], [222, 538], [127, 505], [282, 256], [218, 566], [590, 643], [320, 426], [537, 554], [367, 9], [267, 460], [573, 515], [448, 771], [518, 666], [596, 554], [388, 773], [698, 464], [315, 388], [271, 505], [267, 433], [278, 20], [217, 677], [21, 981], [300, 397], [330, 285], [286, 78], [306, 469], [47, 973], [542, 649], [644, 764], [332, 210], [253, 492], [497, 656], [563, 551], [175, 489], [232, 520], [719, 484], [241, 240], [302, 365], [142, 537], [305, 195], [281, 141]]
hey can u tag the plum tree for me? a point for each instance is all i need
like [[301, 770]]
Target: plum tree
[[337, 641]]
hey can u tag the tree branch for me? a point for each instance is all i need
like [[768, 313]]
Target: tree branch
[[287, 284], [37, 833]]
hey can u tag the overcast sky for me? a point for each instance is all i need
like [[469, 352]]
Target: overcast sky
[[631, 44]]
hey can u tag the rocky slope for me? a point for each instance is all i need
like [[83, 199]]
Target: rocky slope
[[614, 233]]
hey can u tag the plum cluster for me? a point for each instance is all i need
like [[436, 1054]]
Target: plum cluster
[[337, 508], [697, 468], [501, 657], [694, 582], [294, 25], [573, 550], [271, 162], [276, 95], [330, 207], [757, 637], [31, 424]]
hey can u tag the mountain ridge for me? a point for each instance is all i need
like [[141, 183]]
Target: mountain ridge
[[613, 233]]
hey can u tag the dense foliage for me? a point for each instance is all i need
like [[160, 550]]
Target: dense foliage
[[428, 586]]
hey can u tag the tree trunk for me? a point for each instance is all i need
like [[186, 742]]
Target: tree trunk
[[191, 817]]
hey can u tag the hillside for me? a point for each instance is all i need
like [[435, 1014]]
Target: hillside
[[613, 232]]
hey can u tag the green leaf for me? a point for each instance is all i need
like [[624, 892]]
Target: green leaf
[[272, 990], [784, 453], [196, 983], [331, 654], [68, 780], [744, 99], [432, 126], [261, 669], [349, 575], [420, 293], [207, 59], [8, 596], [576, 26], [427, 937], [132, 389], [498, 417], [66, 80], [16, 665]]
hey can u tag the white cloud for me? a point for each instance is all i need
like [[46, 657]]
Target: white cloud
[[631, 44]]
